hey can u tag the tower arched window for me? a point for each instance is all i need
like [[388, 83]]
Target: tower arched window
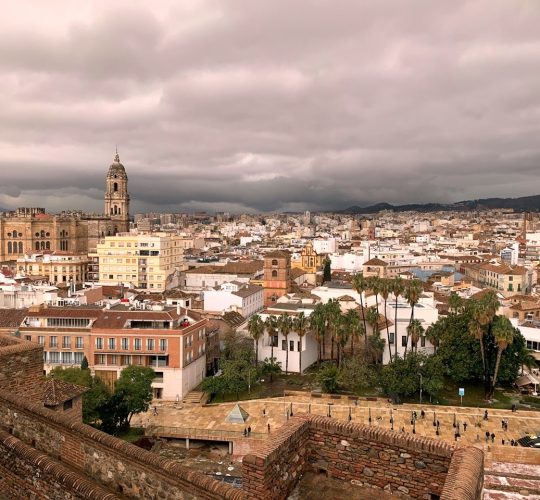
[[42, 245], [42, 234], [20, 247], [37, 245], [115, 187], [274, 274], [48, 245], [274, 262], [9, 249]]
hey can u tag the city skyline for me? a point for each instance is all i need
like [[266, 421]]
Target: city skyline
[[253, 108]]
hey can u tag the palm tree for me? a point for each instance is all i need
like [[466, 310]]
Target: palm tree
[[256, 329], [333, 313], [271, 328], [398, 289], [503, 331], [433, 334], [412, 295], [359, 284], [342, 336], [455, 302], [414, 331], [385, 288], [317, 322], [355, 327], [374, 283], [373, 319], [301, 325], [285, 326]]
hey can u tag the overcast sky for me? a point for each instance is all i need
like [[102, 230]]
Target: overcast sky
[[248, 105]]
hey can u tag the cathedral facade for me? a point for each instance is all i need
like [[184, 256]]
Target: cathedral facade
[[32, 230]]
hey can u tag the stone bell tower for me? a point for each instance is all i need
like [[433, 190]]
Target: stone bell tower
[[117, 196]]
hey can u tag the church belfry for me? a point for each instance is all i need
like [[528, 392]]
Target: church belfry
[[117, 196]]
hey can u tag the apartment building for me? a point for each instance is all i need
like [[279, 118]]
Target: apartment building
[[55, 268], [509, 280], [170, 340], [146, 261]]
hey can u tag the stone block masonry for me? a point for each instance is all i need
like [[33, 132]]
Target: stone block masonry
[[27, 473], [404, 464]]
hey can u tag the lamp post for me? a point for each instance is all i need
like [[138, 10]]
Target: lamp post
[[421, 383]]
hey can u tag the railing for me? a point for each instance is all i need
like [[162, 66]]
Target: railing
[[204, 434]]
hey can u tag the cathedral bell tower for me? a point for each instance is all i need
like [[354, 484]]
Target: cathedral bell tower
[[117, 196]]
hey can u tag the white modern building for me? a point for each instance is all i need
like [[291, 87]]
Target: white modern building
[[243, 298]]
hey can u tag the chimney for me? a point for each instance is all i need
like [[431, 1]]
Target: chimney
[[178, 308]]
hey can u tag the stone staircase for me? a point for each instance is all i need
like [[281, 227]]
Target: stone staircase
[[196, 397], [511, 481]]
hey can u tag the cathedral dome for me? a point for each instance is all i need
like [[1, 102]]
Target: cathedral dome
[[116, 169]]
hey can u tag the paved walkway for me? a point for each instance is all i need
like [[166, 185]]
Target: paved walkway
[[274, 412]]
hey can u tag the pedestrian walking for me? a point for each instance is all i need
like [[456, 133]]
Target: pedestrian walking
[[245, 432], [269, 428], [249, 430], [492, 437], [464, 426], [487, 436], [486, 417]]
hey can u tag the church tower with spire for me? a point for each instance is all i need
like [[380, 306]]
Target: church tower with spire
[[117, 196]]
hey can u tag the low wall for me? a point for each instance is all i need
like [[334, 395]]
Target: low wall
[[27, 473], [21, 367], [124, 468], [465, 478], [276, 467], [362, 455]]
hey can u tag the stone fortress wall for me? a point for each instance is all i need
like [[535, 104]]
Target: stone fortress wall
[[48, 455]]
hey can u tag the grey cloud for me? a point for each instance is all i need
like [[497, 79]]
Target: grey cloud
[[272, 105]]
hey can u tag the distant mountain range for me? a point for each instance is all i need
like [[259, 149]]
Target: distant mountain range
[[523, 204]]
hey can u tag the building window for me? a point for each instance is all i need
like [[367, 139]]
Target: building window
[[404, 341], [150, 344], [283, 345], [79, 342], [138, 344], [125, 344], [66, 342], [274, 262], [112, 343], [162, 344], [100, 359], [291, 345], [54, 357], [68, 404], [53, 342], [299, 345], [99, 343], [28, 337], [41, 340], [392, 336], [274, 274], [66, 358], [423, 341], [78, 357]]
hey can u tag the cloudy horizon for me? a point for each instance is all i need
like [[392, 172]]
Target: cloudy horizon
[[249, 106]]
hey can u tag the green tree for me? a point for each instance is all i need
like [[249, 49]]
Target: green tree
[[412, 294], [270, 367], [414, 332], [214, 386], [360, 286], [333, 317], [398, 289], [84, 363], [317, 322], [328, 377], [455, 303], [285, 325], [135, 384], [357, 376], [93, 399], [327, 270], [354, 325], [385, 289], [301, 326], [114, 414], [271, 326], [256, 330], [503, 331]]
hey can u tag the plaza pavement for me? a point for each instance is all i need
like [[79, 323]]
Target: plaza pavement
[[191, 420]]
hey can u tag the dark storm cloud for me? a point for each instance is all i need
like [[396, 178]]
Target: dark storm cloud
[[277, 105]]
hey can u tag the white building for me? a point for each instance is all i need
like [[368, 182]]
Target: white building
[[236, 296], [324, 245]]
